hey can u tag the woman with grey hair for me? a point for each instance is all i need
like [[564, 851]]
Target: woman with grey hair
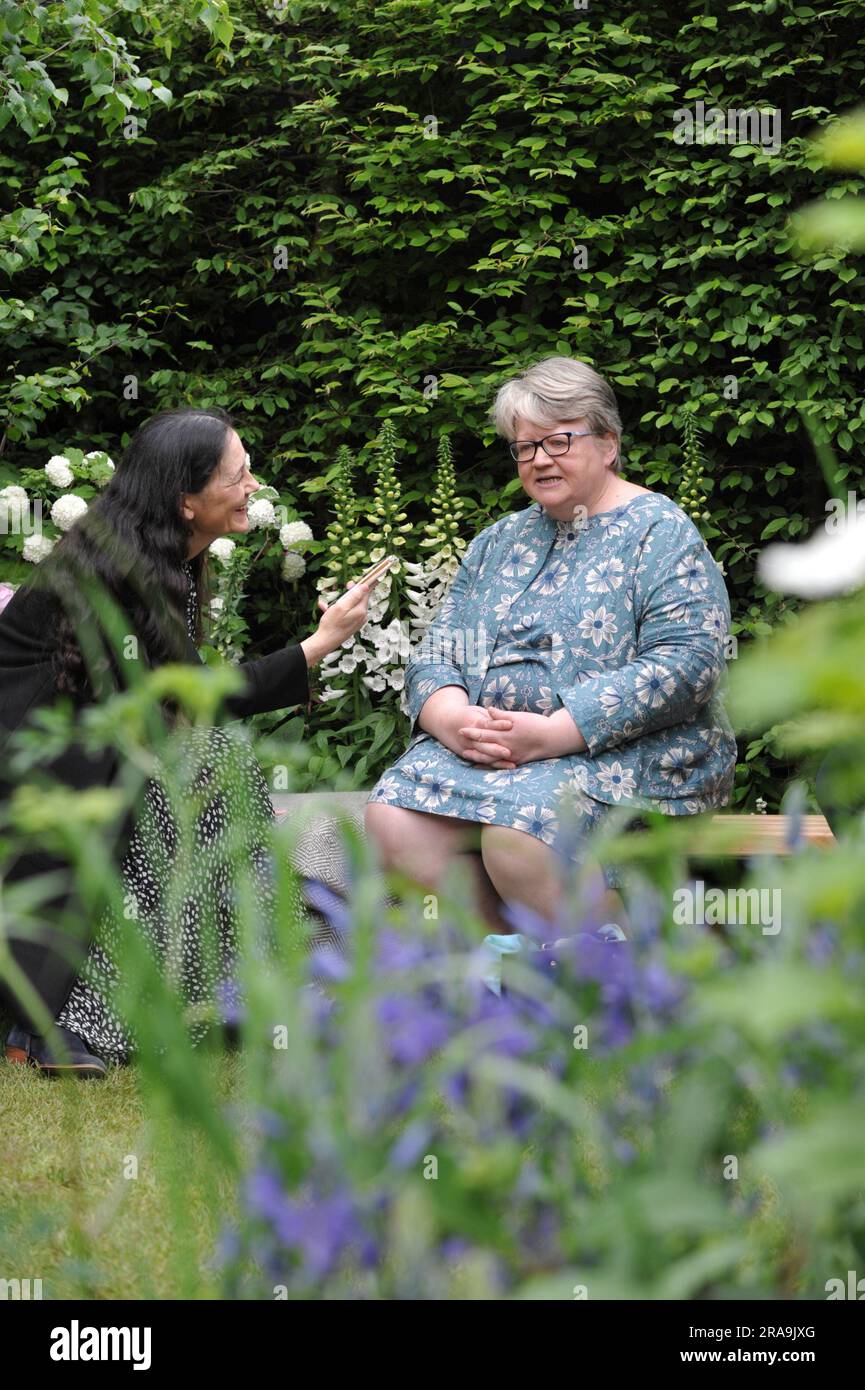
[[573, 666]]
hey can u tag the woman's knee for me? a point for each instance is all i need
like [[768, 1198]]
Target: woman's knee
[[519, 865], [409, 841]]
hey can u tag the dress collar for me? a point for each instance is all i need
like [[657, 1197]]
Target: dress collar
[[550, 526]]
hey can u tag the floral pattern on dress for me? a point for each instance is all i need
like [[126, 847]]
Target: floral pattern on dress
[[631, 644]]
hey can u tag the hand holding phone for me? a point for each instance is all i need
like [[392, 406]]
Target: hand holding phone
[[373, 574]]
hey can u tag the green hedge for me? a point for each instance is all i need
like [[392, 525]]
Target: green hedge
[[348, 212]]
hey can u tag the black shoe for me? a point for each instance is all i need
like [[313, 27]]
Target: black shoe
[[30, 1047]]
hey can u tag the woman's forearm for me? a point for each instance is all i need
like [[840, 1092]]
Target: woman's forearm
[[441, 703], [563, 736], [314, 649]]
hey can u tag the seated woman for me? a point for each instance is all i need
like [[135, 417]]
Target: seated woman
[[574, 663], [183, 481]]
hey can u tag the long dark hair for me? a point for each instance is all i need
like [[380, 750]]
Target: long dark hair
[[133, 541]]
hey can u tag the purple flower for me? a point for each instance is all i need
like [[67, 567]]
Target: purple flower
[[413, 1029], [618, 1028], [397, 951], [230, 1002], [265, 1196], [529, 923], [659, 992], [321, 1228], [327, 965], [329, 904], [541, 1238], [821, 944], [505, 1031], [609, 963], [268, 1123], [455, 1087], [411, 1144]]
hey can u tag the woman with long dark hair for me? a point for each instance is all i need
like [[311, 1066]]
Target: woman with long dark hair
[[183, 482]]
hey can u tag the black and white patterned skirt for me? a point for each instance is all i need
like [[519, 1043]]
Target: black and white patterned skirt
[[180, 883]]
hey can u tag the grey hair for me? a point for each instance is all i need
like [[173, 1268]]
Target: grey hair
[[558, 388]]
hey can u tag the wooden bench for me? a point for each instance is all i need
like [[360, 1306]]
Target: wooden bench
[[770, 834], [319, 852]]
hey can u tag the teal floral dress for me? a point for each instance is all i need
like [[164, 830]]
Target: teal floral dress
[[622, 619]]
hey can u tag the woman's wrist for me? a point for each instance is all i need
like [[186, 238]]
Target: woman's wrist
[[437, 706], [314, 649], [563, 736]]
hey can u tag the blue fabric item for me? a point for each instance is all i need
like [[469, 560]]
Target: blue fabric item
[[622, 620], [497, 947]]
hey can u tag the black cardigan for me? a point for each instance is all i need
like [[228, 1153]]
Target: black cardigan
[[26, 642], [26, 684]]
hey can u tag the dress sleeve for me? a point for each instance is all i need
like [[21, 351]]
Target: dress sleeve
[[682, 616], [273, 682], [440, 656]]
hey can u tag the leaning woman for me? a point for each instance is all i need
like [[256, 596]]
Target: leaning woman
[[183, 482], [573, 667]]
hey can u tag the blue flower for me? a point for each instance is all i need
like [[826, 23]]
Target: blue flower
[[396, 951], [329, 904], [321, 1229], [327, 965], [413, 1029], [232, 1007], [411, 1144]]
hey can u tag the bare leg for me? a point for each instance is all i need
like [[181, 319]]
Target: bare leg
[[424, 847], [523, 869]]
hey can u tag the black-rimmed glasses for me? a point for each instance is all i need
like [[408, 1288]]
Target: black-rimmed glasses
[[524, 450]]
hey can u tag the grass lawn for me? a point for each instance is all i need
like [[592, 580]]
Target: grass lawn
[[72, 1211]]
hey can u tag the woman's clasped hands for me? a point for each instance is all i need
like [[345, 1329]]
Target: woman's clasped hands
[[504, 739]]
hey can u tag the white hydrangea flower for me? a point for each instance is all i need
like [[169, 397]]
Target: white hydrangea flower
[[58, 471], [99, 454], [13, 493], [261, 512], [37, 548], [294, 533], [293, 565], [67, 510], [222, 548]]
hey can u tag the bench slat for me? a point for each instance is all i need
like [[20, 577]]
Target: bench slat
[[768, 834], [743, 834]]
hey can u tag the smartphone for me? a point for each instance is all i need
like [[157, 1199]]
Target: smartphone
[[375, 572]]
